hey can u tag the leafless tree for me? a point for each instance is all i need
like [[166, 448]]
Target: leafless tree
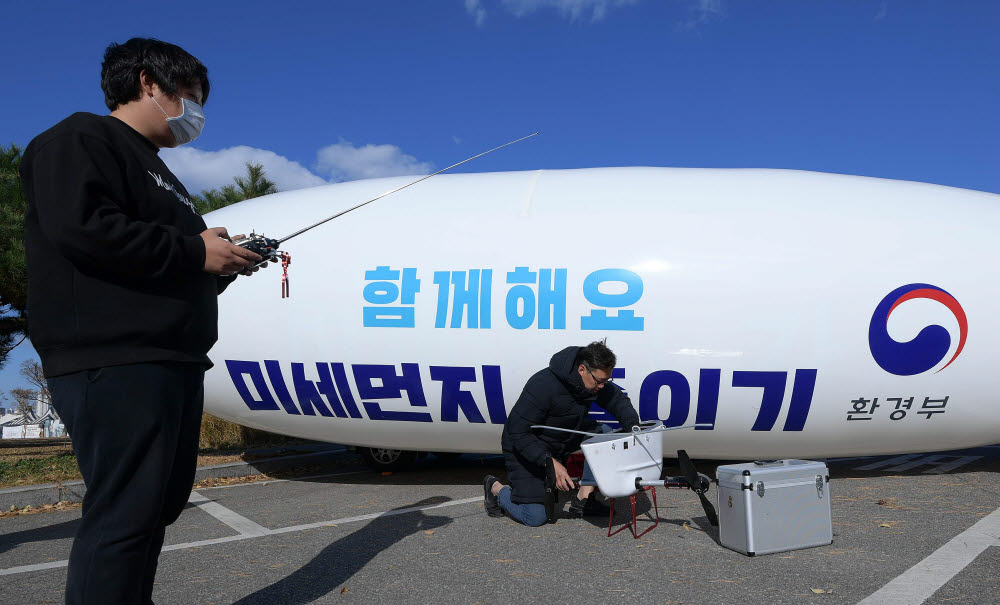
[[23, 399], [32, 372]]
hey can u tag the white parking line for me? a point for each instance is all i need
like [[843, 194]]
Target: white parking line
[[911, 461], [922, 580], [914, 464], [241, 524], [950, 466], [888, 462], [37, 567], [247, 536], [400, 511]]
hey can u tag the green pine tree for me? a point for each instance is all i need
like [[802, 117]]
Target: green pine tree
[[13, 270], [253, 184], [213, 199]]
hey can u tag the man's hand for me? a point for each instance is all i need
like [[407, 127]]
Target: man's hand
[[225, 258], [236, 240], [563, 480]]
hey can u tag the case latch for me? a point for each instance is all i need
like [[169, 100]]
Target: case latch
[[760, 489], [819, 486]]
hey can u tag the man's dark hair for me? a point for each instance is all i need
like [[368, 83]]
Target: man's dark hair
[[596, 356], [167, 64]]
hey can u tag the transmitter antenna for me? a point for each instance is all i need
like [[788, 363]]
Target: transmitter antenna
[[388, 193]]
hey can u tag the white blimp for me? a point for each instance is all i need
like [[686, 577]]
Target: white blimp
[[789, 314]]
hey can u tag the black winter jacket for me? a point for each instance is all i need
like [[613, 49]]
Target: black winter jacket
[[554, 396], [114, 253]]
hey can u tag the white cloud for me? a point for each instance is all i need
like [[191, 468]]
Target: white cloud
[[344, 162], [200, 170], [883, 10], [702, 12], [574, 10], [475, 8]]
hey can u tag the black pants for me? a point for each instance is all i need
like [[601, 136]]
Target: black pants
[[135, 434]]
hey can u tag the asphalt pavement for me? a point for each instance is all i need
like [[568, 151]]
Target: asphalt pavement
[[907, 529]]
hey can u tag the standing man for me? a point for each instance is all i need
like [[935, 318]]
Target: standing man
[[123, 277], [558, 396]]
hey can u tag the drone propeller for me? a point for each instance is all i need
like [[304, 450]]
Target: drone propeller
[[699, 485]]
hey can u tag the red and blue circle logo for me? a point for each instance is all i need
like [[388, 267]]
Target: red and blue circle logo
[[930, 346]]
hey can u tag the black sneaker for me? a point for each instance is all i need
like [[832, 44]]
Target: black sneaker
[[490, 500], [589, 507]]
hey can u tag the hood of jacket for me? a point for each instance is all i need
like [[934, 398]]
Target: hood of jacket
[[563, 366]]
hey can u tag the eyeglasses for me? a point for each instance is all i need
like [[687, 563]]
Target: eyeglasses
[[600, 381]]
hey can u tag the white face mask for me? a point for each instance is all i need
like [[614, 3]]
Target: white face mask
[[187, 126]]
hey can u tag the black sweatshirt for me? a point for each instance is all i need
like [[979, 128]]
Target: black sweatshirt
[[114, 253]]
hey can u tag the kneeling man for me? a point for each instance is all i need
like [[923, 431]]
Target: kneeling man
[[560, 396]]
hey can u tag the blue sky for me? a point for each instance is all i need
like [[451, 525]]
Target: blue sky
[[333, 91]]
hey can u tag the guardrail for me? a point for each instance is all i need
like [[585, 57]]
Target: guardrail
[[40, 442]]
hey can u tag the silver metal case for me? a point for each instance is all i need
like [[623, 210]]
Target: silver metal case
[[774, 506]]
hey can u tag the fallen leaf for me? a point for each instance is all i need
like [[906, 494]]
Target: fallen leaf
[[343, 590], [687, 527], [820, 591], [429, 531]]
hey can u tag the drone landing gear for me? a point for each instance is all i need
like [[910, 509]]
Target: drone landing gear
[[634, 524], [691, 480]]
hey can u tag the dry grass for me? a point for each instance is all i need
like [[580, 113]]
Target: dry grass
[[220, 442], [32, 510], [219, 434]]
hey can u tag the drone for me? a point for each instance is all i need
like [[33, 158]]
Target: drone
[[627, 462]]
